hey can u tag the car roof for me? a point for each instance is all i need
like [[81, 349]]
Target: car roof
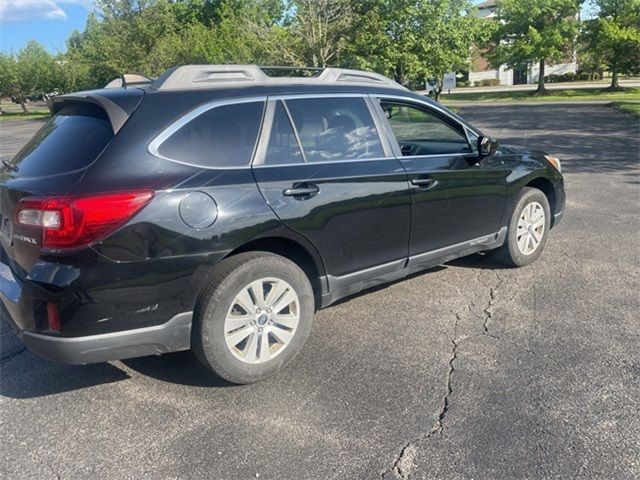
[[189, 85]]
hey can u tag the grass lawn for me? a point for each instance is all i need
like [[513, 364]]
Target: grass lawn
[[13, 111], [628, 94], [35, 115], [632, 108]]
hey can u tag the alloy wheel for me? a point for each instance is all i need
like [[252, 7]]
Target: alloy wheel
[[262, 320], [530, 230]]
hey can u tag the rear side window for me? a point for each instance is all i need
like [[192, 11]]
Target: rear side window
[[333, 129], [223, 136], [283, 148], [70, 140]]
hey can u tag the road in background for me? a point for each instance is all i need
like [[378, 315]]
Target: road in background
[[467, 371], [634, 82]]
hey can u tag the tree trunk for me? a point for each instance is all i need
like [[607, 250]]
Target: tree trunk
[[399, 74], [23, 105], [615, 84], [541, 90]]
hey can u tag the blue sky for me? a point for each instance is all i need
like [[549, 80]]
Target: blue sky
[[50, 22]]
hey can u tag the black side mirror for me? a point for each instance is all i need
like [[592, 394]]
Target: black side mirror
[[487, 146]]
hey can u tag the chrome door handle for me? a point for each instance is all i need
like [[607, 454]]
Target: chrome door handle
[[301, 190], [424, 182]]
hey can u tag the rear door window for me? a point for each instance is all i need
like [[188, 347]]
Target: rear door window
[[283, 148], [224, 136], [70, 140], [332, 129]]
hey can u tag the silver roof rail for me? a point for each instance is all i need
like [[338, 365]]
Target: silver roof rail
[[191, 77]]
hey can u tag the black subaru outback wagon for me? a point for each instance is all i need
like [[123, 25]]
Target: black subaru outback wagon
[[217, 208]]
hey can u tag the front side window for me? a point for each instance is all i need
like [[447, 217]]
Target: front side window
[[333, 129], [223, 136], [420, 132]]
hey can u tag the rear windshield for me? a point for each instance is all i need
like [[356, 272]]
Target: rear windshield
[[71, 140]]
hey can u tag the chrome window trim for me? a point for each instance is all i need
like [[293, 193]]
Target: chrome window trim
[[299, 96], [435, 106], [157, 142], [267, 124], [295, 130], [301, 164]]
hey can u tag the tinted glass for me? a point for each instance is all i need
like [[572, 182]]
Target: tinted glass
[[224, 136], [420, 132], [70, 140], [335, 129], [283, 146]]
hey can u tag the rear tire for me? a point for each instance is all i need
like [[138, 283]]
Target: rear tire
[[254, 317], [528, 229]]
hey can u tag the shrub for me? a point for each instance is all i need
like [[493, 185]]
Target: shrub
[[462, 83], [490, 82]]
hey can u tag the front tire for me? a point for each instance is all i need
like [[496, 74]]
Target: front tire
[[528, 229], [254, 317]]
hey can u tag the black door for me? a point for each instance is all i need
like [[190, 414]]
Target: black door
[[456, 196], [342, 190], [520, 75]]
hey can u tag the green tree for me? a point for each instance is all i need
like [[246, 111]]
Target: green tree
[[616, 37], [414, 40], [313, 32], [8, 79], [29, 73], [534, 31], [247, 32], [149, 36], [126, 36], [590, 54]]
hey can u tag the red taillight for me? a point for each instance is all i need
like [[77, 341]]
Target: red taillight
[[74, 221]]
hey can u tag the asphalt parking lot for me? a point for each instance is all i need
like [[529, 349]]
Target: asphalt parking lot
[[467, 371]]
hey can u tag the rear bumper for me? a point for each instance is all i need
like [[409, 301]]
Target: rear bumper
[[173, 336]]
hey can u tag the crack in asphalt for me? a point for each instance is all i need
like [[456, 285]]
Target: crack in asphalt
[[488, 310], [404, 463]]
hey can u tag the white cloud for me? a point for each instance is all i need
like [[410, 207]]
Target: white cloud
[[28, 10]]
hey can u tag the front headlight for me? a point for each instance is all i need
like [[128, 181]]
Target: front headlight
[[555, 161]]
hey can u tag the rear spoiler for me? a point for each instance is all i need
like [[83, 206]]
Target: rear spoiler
[[118, 104]]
